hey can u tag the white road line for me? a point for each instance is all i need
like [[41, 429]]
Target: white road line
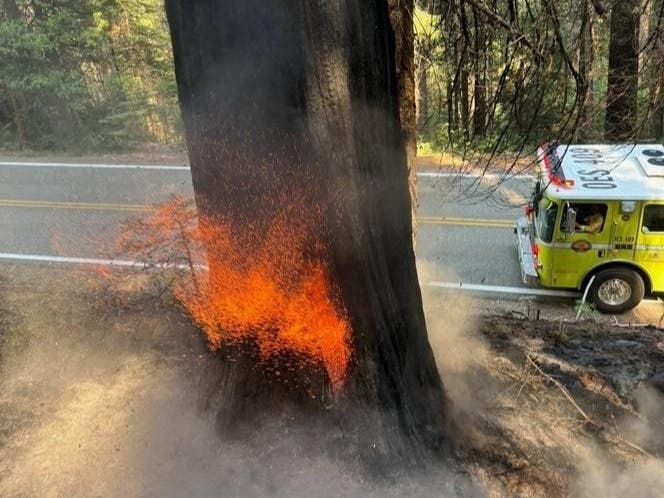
[[148, 167], [488, 176], [523, 291], [120, 263], [165, 167], [499, 289], [39, 258]]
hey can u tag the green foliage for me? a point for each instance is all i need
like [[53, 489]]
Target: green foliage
[[586, 310], [98, 74], [90, 74], [507, 76]]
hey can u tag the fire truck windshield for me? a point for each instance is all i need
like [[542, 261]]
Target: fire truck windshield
[[545, 221]]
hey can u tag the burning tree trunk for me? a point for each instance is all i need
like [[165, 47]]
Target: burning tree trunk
[[291, 113]]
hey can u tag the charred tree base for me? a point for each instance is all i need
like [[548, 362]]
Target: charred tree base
[[288, 401]]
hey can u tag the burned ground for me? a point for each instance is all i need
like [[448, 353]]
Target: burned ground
[[568, 408], [114, 393], [109, 390]]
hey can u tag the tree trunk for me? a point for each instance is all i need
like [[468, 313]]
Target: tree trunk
[[303, 95], [19, 119], [480, 66], [12, 13], [38, 10], [623, 78], [464, 88], [586, 65], [656, 83], [464, 96], [401, 16], [453, 85], [450, 97], [421, 86]]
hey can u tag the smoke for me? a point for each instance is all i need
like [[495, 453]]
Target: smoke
[[599, 477], [111, 402], [647, 430], [460, 350], [643, 477]]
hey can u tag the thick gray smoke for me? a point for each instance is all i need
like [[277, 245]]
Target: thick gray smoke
[[110, 401]]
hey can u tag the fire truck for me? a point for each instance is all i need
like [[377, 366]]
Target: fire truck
[[595, 223]]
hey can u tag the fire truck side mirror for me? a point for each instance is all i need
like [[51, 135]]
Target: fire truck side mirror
[[570, 219]]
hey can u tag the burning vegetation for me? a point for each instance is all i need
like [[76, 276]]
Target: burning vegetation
[[242, 284]]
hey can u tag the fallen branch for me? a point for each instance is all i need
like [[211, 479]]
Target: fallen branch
[[629, 325], [569, 397], [564, 390]]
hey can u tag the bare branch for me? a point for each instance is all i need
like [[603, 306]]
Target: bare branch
[[495, 19]]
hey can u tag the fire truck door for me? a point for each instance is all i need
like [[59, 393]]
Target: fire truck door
[[575, 252], [650, 243]]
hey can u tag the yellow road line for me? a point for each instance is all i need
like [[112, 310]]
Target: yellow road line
[[96, 206], [142, 208], [475, 222]]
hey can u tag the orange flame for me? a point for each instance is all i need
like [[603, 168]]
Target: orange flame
[[268, 285]]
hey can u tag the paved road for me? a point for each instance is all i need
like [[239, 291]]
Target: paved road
[[480, 248], [465, 223]]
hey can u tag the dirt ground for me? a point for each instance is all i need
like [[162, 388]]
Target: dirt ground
[[107, 392]]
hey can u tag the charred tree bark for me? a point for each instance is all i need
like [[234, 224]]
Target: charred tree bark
[[310, 91], [622, 86]]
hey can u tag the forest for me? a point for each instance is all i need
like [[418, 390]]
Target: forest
[[489, 76], [86, 75]]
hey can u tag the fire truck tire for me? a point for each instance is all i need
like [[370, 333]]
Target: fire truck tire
[[617, 290]]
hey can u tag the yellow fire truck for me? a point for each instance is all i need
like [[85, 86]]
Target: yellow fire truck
[[595, 222]]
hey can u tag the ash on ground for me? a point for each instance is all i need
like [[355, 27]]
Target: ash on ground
[[104, 392]]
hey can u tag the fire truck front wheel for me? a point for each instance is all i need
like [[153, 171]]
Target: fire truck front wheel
[[616, 290]]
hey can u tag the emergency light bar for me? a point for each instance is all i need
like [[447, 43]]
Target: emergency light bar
[[552, 164]]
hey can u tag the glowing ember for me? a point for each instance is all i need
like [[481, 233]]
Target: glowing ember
[[267, 283]]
